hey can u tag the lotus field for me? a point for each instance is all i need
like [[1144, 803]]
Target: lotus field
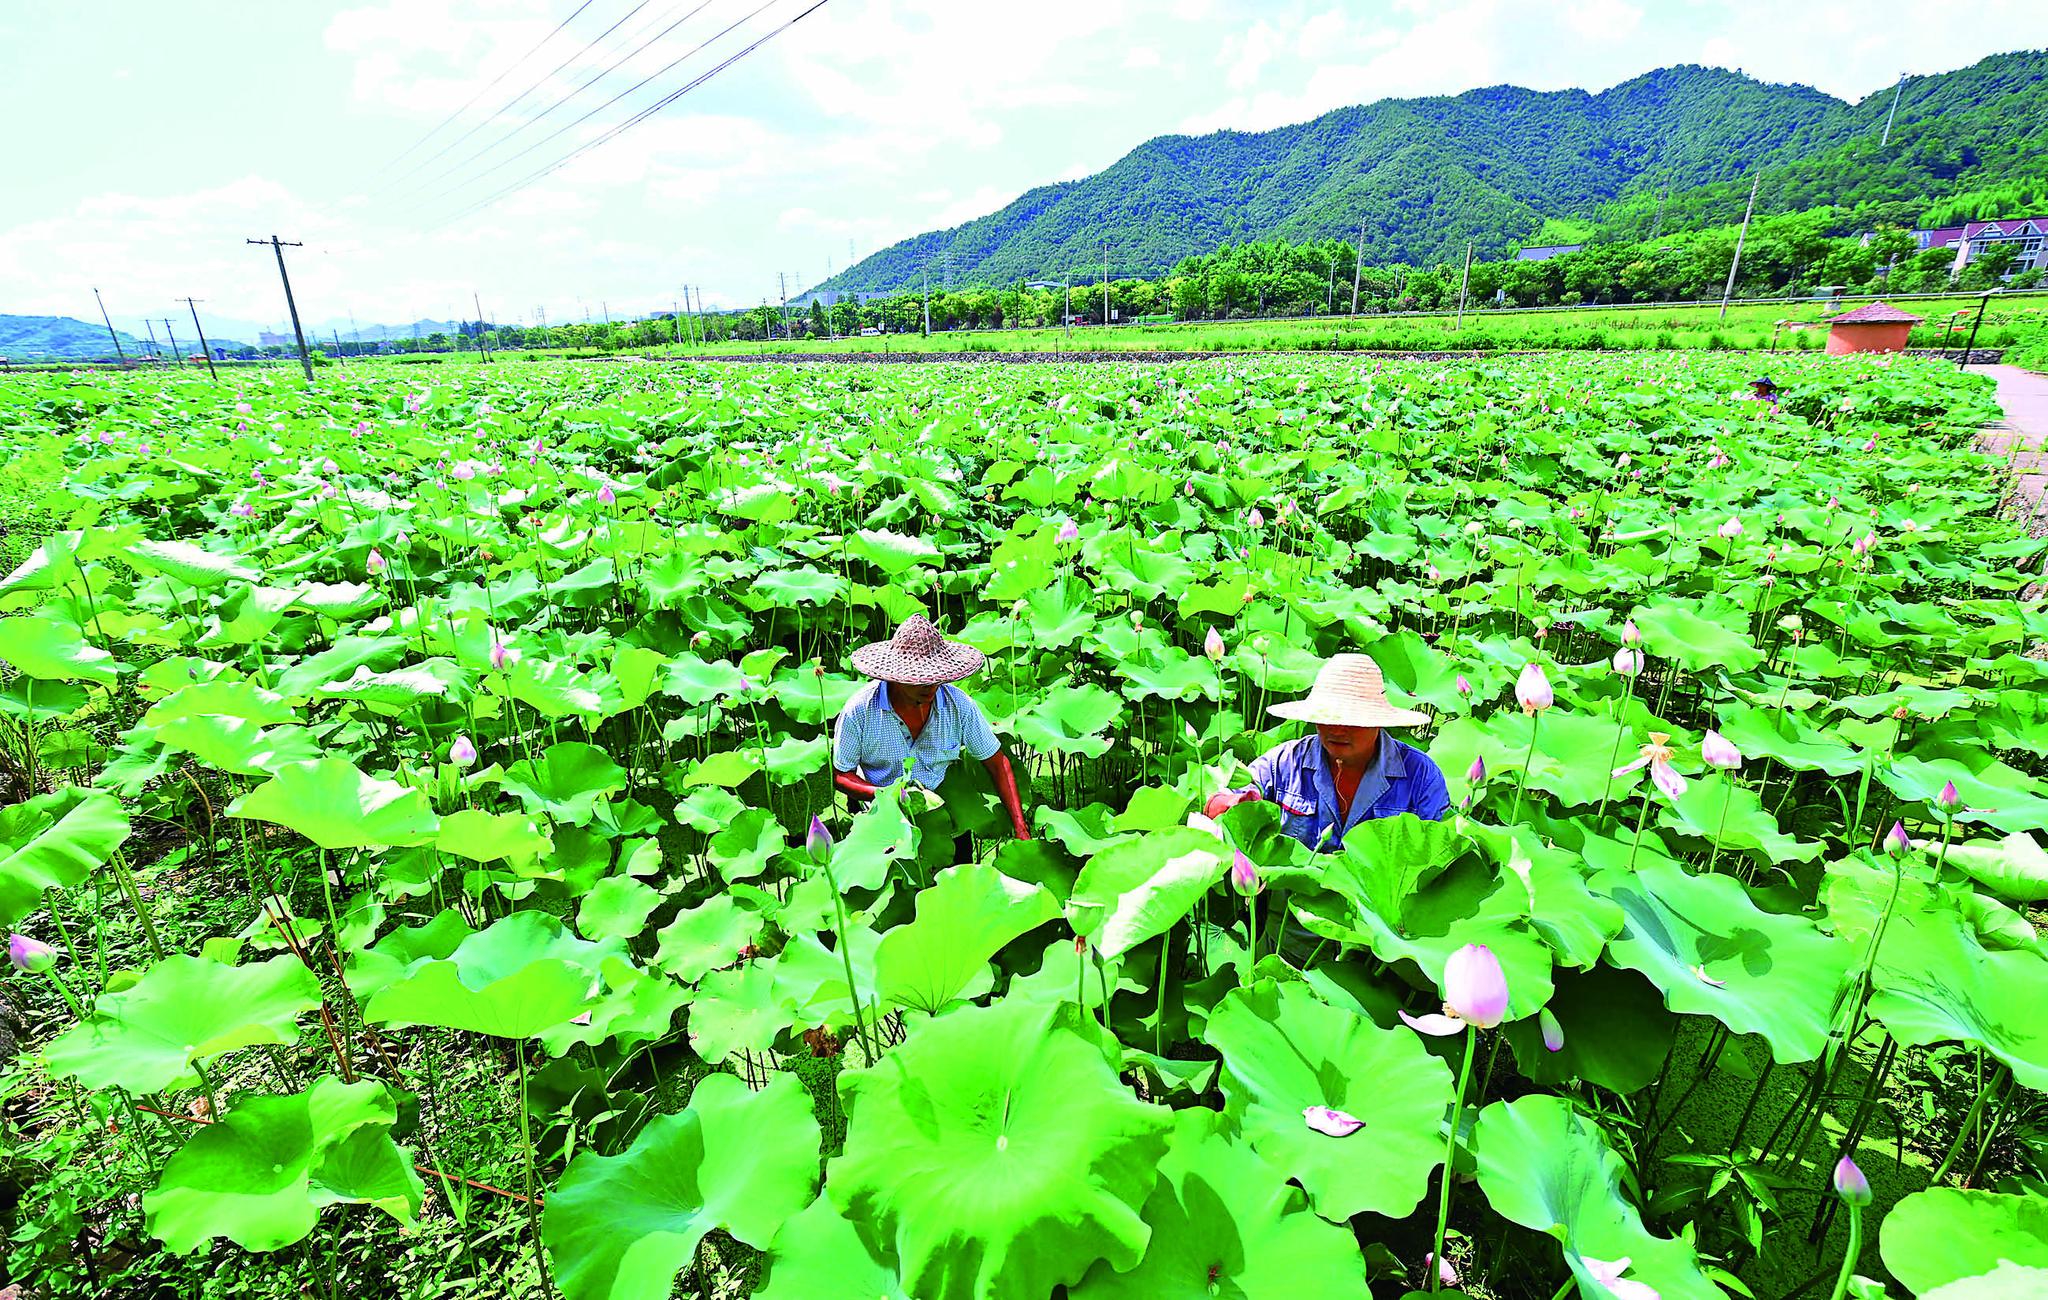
[[424, 876]]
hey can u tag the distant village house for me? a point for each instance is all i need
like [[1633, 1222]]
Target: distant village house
[[2027, 236]]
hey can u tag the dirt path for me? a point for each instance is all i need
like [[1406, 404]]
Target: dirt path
[[2019, 437]]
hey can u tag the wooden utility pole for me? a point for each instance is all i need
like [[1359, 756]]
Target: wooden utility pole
[[118, 351], [1728, 290], [1357, 264], [278, 246], [204, 346], [1971, 346], [1464, 280], [177, 355], [335, 334], [154, 350], [1105, 284], [927, 302]]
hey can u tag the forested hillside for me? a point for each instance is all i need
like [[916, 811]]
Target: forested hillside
[[1493, 165], [58, 338]]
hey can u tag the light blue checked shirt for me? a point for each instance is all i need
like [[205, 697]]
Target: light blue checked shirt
[[1298, 776], [871, 739]]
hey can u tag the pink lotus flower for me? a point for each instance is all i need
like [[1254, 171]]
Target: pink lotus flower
[[1850, 1184], [1464, 687], [1896, 840], [375, 562], [1657, 757], [1445, 1274], [1719, 753], [328, 466], [1244, 875], [1870, 445], [362, 429], [1212, 646], [1477, 772], [1733, 528], [1948, 800], [464, 471], [499, 652], [1608, 1273], [1256, 519], [242, 510], [242, 408], [605, 495], [1068, 532], [1553, 1033], [1331, 1122], [1475, 994], [462, 753], [1532, 689], [31, 955], [818, 842], [1628, 661]]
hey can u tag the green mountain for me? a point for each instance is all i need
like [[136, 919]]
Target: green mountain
[[1424, 175], [59, 338]]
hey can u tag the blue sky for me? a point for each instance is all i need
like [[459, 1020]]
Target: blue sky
[[147, 140]]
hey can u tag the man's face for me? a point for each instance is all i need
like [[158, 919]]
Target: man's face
[[917, 697], [1349, 746]]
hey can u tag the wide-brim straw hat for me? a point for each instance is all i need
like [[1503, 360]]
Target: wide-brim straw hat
[[1350, 691], [918, 655]]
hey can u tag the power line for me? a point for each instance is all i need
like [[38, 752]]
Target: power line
[[445, 122], [614, 66], [644, 113], [513, 102]]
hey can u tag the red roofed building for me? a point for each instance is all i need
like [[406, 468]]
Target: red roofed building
[[1878, 327], [2027, 235]]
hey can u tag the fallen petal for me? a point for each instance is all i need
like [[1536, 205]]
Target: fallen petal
[[1434, 1025], [1332, 1122]]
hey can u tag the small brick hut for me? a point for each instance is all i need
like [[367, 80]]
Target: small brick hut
[[1878, 327]]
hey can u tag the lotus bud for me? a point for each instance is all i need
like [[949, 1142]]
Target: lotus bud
[[1464, 687], [1069, 533], [375, 562], [1733, 528], [1137, 620], [1532, 689], [1870, 445], [1256, 519], [1718, 752], [242, 510], [818, 842], [1445, 1274], [498, 653], [31, 955], [605, 495], [1212, 646], [1896, 840], [1948, 800], [1477, 772], [1244, 875], [1553, 1033], [1475, 990], [1628, 661], [1850, 1184]]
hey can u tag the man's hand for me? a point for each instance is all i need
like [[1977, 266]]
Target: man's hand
[[1222, 803]]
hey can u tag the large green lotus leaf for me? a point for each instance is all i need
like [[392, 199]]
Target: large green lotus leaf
[[882, 836], [2015, 867], [892, 553], [1695, 640], [616, 907], [1993, 793], [1548, 1168], [743, 849], [810, 979], [1944, 1234], [622, 1227], [1225, 1223], [1571, 759], [1573, 920], [183, 1011], [1713, 807], [1936, 984], [54, 841], [404, 688], [237, 745], [1060, 614], [706, 937], [1617, 1033], [2009, 1281], [1774, 734], [1171, 674], [818, 1255], [523, 974], [728, 768], [567, 782], [51, 650], [371, 968], [636, 1007], [262, 1174], [1069, 720], [1135, 889], [789, 588], [1468, 904], [1285, 1050], [1714, 953], [812, 696], [697, 681], [481, 836], [190, 564], [966, 917], [740, 1010], [1387, 861], [337, 806], [791, 760], [997, 1153]]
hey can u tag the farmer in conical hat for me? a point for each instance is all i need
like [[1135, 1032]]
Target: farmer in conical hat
[[1350, 769], [913, 715]]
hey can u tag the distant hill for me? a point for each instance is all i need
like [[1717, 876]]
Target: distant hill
[[59, 338], [1492, 165]]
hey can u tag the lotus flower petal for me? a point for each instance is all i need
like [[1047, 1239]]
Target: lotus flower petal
[[1668, 780], [1332, 1122], [1434, 1025]]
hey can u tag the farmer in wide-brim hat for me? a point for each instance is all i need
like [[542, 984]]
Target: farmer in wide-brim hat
[[912, 718], [1349, 770], [1764, 389]]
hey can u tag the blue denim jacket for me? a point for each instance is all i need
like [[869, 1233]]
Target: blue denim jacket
[[1300, 778]]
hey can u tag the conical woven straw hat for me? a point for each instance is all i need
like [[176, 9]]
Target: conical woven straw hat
[[1349, 692], [918, 655]]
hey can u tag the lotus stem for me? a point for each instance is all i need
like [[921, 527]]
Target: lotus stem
[[1522, 776], [1984, 1090], [1159, 1014], [526, 1147], [840, 925], [1851, 1254], [1620, 730], [1727, 796], [1443, 1200]]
